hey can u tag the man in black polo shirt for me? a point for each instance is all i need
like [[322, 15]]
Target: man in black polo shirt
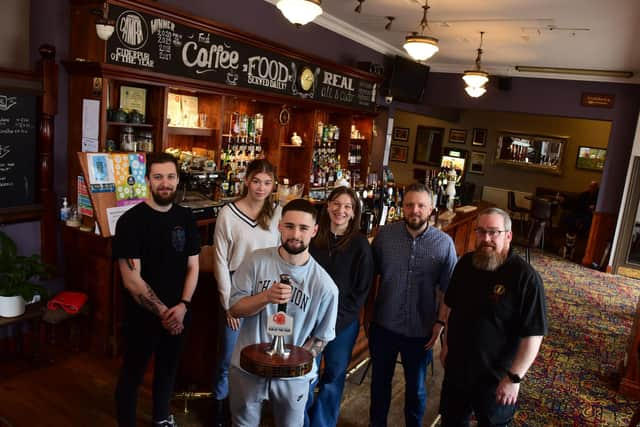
[[496, 318]]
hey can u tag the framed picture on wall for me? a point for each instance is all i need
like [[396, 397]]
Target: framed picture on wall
[[401, 134], [479, 137], [399, 153], [591, 158], [476, 162], [457, 136]]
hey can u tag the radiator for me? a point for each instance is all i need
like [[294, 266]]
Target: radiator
[[499, 197]]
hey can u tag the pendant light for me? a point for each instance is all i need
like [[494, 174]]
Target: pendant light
[[476, 79], [419, 46], [300, 12]]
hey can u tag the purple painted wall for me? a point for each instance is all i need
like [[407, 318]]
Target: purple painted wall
[[445, 94], [557, 98]]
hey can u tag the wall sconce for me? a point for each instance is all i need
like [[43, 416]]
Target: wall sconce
[[104, 25]]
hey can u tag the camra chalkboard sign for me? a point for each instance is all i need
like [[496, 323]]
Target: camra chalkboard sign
[[163, 45], [18, 146]]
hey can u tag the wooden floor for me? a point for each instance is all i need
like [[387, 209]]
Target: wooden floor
[[74, 389]]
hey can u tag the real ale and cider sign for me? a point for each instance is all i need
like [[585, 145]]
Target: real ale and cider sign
[[161, 45]]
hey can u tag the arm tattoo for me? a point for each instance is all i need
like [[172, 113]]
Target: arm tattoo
[[315, 346], [150, 301], [130, 264]]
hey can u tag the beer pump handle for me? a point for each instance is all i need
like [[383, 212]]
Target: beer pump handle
[[284, 278]]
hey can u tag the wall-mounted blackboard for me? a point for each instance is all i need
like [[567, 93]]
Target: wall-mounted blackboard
[[160, 44], [18, 147]]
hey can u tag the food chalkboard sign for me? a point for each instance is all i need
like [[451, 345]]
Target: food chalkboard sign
[[164, 45], [18, 147]]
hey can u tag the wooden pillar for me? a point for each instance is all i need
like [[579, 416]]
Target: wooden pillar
[[601, 232], [48, 108]]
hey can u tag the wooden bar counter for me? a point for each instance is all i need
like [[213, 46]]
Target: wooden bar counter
[[460, 228], [90, 268]]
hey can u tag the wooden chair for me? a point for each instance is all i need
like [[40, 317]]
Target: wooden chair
[[532, 239], [515, 209], [541, 212]]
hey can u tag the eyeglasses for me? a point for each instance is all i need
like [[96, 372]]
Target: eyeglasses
[[491, 233]]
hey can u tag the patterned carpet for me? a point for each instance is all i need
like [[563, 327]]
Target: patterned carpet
[[573, 382]]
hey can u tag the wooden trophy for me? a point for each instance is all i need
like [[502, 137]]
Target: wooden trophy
[[277, 359]]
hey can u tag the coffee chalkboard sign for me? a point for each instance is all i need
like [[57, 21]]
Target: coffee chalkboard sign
[[164, 45], [18, 147]]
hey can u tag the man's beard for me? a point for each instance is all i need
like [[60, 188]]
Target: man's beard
[[163, 200], [416, 226], [294, 250], [488, 261]]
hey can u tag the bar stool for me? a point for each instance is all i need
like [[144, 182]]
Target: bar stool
[[541, 212], [532, 239], [76, 321], [515, 209]]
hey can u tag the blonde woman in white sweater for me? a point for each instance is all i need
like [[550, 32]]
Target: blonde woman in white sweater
[[244, 225]]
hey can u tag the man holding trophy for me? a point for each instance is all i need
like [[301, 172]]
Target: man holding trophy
[[300, 313]]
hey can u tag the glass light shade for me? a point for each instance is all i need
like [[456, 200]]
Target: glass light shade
[[421, 48], [475, 78], [104, 29], [475, 92], [300, 12]]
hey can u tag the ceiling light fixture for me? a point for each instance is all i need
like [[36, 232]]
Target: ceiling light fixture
[[390, 19], [419, 46], [358, 8], [475, 92], [476, 78], [576, 71], [104, 25], [300, 12]]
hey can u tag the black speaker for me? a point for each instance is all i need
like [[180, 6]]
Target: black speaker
[[504, 83]]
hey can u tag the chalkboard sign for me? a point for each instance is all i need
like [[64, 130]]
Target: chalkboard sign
[[160, 44], [18, 147]]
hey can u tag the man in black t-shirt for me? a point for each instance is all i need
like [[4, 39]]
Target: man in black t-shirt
[[156, 245], [496, 318]]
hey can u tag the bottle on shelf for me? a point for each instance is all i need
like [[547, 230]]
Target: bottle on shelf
[[65, 210]]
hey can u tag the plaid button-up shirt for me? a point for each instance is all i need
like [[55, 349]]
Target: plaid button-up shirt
[[411, 270]]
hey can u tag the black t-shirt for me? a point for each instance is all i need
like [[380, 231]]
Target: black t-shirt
[[490, 312], [163, 241]]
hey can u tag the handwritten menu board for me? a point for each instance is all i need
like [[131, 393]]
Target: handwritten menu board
[[18, 144], [159, 44]]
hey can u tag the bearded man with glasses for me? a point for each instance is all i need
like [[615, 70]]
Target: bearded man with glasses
[[495, 319]]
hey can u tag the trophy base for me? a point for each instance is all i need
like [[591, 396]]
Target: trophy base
[[255, 359]]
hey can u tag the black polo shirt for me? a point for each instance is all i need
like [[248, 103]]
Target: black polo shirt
[[490, 312]]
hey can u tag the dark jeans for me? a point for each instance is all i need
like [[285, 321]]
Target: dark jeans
[[142, 340], [324, 411], [384, 347], [457, 403]]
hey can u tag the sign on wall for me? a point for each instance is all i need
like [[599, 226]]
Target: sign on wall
[[162, 45], [18, 144]]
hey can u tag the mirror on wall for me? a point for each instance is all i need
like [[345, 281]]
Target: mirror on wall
[[428, 147], [539, 152]]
